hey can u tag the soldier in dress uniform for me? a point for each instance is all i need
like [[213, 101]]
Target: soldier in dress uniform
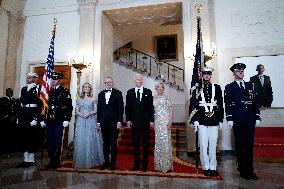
[[8, 117], [29, 114], [206, 114], [57, 117], [242, 113]]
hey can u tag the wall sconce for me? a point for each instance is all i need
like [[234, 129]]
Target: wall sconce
[[207, 56], [79, 66]]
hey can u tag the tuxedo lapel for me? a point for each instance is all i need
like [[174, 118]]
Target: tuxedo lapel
[[134, 95], [112, 94], [144, 95]]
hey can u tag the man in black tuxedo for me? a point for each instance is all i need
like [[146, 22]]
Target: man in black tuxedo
[[109, 119], [262, 86], [139, 116]]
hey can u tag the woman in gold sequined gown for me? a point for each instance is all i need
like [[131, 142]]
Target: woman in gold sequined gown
[[163, 121]]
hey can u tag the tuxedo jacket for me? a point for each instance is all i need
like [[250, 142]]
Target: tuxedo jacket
[[264, 92], [111, 111], [139, 112]]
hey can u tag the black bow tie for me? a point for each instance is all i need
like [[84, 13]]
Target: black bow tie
[[107, 91]]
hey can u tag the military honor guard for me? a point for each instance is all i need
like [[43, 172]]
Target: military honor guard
[[242, 113], [57, 117], [29, 114], [8, 118], [206, 114]]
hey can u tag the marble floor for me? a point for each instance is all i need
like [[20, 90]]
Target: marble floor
[[271, 176]]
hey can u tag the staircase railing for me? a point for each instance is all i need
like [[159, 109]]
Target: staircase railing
[[147, 64]]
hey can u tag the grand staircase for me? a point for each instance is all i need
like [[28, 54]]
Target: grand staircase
[[151, 67], [179, 142], [269, 143]]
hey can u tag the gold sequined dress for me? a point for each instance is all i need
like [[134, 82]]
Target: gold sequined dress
[[163, 145]]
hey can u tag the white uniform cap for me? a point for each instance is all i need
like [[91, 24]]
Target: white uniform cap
[[32, 74], [207, 69]]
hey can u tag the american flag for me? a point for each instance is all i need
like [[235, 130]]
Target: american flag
[[199, 59], [46, 80]]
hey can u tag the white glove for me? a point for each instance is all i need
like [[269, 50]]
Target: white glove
[[195, 124], [65, 123], [42, 124], [17, 121], [33, 123], [230, 123], [257, 122], [220, 125]]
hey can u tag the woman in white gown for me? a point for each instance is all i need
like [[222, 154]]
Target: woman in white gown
[[88, 144], [163, 120]]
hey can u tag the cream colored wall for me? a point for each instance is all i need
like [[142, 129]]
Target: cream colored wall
[[4, 23], [146, 42]]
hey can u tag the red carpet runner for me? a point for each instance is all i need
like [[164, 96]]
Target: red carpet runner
[[181, 168]]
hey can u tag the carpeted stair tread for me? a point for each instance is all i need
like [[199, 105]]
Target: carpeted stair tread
[[269, 140], [269, 131], [129, 149], [128, 142]]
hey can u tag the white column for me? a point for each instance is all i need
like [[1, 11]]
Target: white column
[[188, 65]]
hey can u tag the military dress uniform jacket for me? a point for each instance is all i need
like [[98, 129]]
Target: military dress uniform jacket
[[59, 105], [198, 111], [8, 109], [30, 106], [241, 105]]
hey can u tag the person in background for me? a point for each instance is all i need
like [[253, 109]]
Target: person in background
[[8, 118], [243, 114], [88, 144], [163, 158], [262, 86]]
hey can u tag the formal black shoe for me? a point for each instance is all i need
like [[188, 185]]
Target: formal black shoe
[[253, 176], [213, 173], [22, 164], [134, 168], [206, 173], [113, 167], [104, 166], [144, 168]]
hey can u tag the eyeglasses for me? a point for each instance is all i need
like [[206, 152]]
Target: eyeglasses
[[108, 82]]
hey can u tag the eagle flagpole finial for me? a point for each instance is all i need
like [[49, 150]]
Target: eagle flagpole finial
[[198, 8]]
